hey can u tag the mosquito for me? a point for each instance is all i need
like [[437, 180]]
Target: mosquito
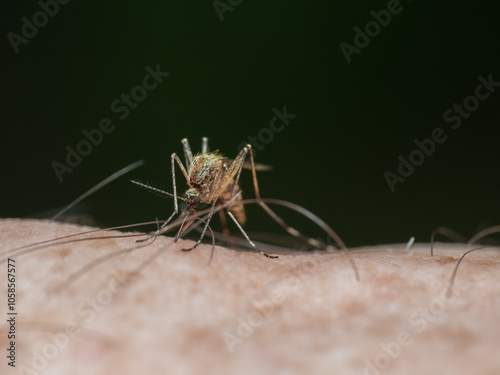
[[213, 179]]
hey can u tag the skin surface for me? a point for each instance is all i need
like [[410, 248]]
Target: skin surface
[[178, 315]]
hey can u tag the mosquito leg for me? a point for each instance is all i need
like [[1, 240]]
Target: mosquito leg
[[154, 234], [213, 242], [294, 232], [188, 155], [204, 145], [174, 158], [225, 230], [248, 238], [235, 171]]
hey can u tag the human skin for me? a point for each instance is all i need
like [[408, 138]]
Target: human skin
[[179, 315]]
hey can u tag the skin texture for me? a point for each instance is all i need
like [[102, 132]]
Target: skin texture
[[178, 315]]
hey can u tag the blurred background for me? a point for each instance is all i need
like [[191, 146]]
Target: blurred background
[[230, 64]]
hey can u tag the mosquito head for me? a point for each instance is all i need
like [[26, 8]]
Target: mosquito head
[[192, 198]]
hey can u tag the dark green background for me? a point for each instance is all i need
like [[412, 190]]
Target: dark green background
[[353, 120]]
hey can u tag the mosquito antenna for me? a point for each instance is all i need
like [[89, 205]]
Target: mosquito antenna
[[154, 189], [447, 232], [104, 182]]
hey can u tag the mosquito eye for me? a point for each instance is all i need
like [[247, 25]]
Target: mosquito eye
[[196, 199]]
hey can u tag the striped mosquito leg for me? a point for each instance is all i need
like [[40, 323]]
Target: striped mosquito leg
[[294, 232], [248, 238]]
